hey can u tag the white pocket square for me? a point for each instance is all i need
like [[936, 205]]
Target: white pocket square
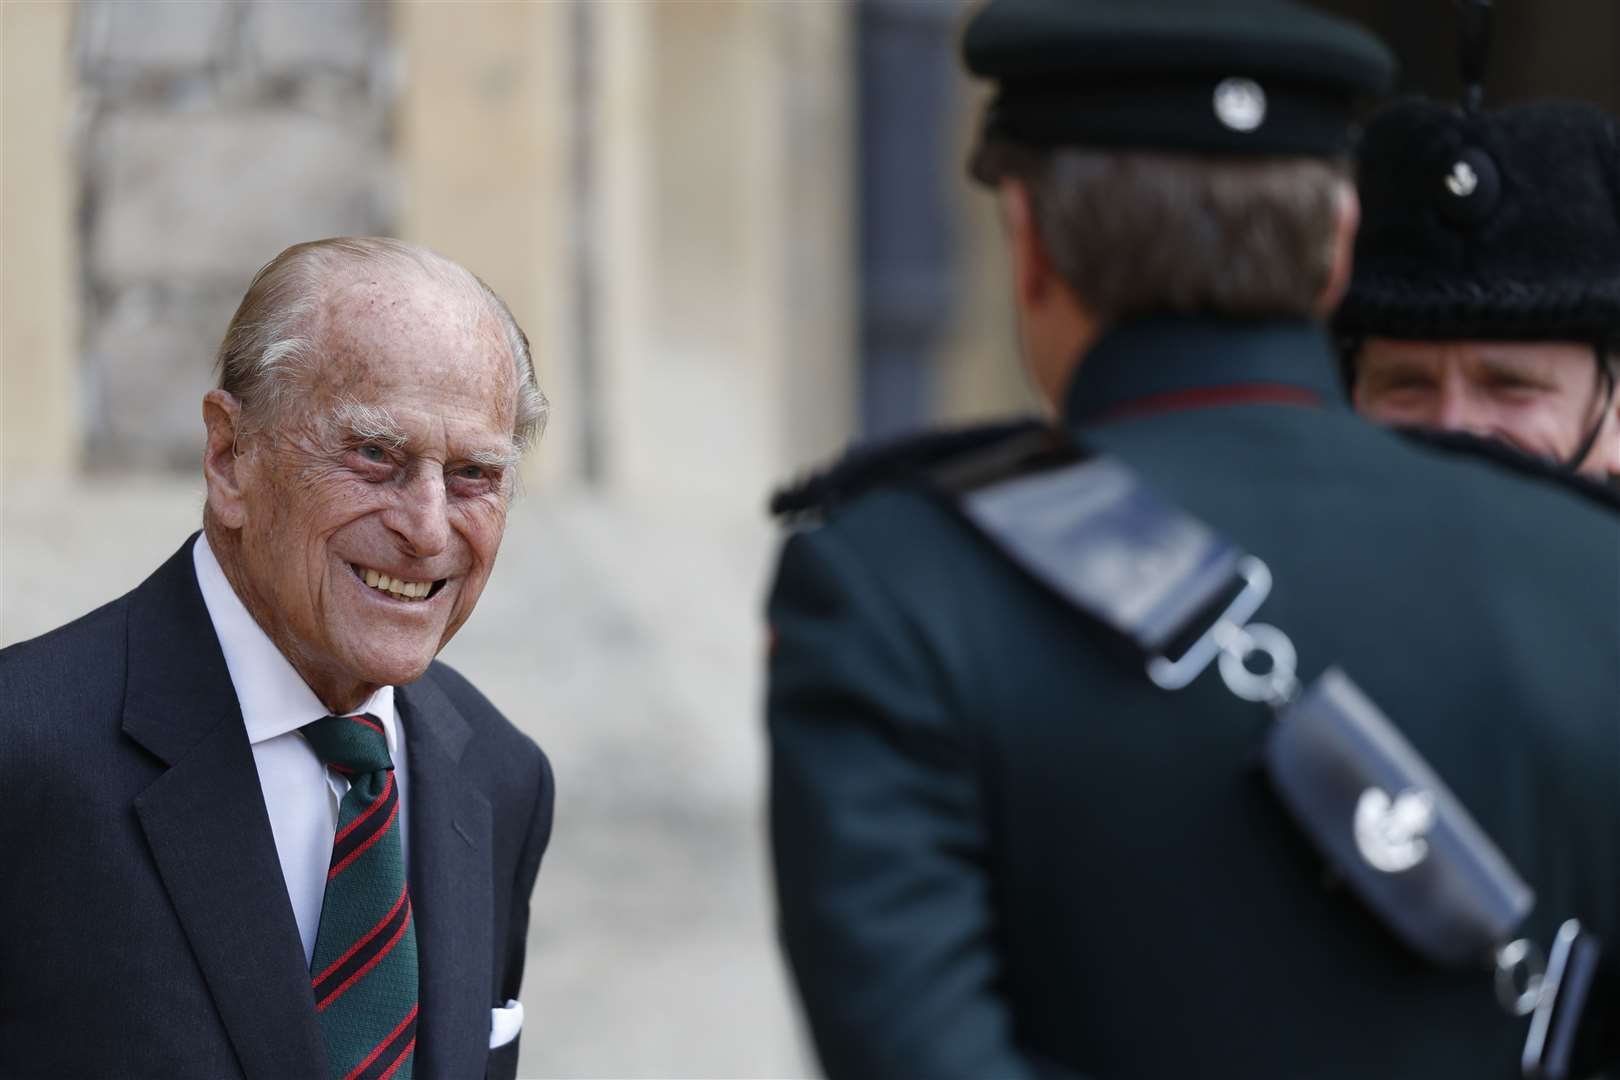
[[505, 1023]]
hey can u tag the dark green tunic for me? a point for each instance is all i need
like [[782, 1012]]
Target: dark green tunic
[[1001, 851]]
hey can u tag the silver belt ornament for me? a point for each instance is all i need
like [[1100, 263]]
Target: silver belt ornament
[[1090, 530], [1389, 828]]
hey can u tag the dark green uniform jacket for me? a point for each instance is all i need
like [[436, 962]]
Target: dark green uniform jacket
[[1001, 851]]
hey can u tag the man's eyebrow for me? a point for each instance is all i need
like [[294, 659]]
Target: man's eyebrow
[[1396, 367], [495, 459], [1520, 367], [372, 423]]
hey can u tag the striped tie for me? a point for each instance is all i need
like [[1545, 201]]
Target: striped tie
[[364, 970]]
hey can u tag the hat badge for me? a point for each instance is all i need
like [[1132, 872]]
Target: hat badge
[[1240, 104], [1462, 180]]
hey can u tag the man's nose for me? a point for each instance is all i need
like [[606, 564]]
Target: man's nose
[[1456, 408], [420, 515]]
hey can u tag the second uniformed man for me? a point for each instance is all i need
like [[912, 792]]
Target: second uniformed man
[[1486, 296], [1000, 849]]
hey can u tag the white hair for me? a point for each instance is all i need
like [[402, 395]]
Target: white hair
[[272, 336]]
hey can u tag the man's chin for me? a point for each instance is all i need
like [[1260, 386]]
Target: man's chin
[[391, 667], [398, 672]]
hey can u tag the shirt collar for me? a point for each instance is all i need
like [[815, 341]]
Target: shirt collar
[[274, 698], [1174, 358]]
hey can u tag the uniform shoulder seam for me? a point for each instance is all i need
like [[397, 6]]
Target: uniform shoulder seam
[[894, 462], [1502, 456]]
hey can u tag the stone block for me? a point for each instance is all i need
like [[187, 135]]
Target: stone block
[[149, 361], [161, 35], [190, 198], [296, 34]]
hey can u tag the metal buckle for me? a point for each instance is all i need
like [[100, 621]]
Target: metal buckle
[[1547, 988], [1520, 966], [1275, 686], [1174, 674]]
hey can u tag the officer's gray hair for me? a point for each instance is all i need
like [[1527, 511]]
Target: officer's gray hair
[[273, 337], [1137, 232]]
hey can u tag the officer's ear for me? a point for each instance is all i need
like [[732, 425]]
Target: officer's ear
[[1032, 271], [1611, 434], [1346, 219]]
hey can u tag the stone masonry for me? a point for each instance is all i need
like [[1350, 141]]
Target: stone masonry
[[210, 135]]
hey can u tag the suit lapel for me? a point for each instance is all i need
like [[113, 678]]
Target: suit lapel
[[209, 832], [450, 877]]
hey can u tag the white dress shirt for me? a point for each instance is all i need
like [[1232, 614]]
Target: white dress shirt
[[300, 793]]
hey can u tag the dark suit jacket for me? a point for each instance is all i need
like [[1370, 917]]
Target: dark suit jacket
[[145, 929], [1002, 852]]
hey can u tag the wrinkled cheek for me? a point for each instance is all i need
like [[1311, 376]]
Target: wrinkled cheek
[[494, 527], [482, 529]]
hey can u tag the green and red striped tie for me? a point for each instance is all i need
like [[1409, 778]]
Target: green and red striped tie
[[364, 970]]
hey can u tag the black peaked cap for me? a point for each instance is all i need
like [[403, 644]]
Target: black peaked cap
[[1499, 224], [1195, 76]]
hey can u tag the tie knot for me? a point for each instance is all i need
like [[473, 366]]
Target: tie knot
[[355, 744]]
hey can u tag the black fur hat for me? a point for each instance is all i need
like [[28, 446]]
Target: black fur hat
[[1501, 223]]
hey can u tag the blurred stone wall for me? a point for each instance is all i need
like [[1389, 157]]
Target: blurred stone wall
[[39, 432], [210, 134]]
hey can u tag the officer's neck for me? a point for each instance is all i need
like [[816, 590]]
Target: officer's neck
[[1057, 333]]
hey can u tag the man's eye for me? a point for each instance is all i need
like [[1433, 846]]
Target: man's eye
[[372, 452], [471, 472]]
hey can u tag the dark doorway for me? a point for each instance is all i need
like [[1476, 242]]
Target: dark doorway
[[1540, 48], [908, 76]]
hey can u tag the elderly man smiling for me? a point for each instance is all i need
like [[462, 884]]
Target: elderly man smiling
[[251, 827]]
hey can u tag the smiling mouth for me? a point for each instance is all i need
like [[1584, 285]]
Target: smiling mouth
[[398, 588]]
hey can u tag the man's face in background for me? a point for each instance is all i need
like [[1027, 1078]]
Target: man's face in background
[[1541, 397]]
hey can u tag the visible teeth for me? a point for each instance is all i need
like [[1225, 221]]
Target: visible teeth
[[409, 590]]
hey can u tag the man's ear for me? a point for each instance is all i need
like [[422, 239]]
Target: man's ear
[[1346, 219], [222, 416], [1611, 460], [1033, 276]]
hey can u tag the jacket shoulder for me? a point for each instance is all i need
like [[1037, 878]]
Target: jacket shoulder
[[466, 697], [61, 697], [1506, 458], [486, 720], [908, 460], [58, 660]]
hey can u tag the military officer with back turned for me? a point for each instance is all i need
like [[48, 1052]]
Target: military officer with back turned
[[1202, 728]]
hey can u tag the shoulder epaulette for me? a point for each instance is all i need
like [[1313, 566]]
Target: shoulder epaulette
[[1509, 457], [895, 461]]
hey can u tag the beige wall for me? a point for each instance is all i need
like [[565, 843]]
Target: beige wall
[[690, 294], [663, 194], [38, 347], [484, 153], [729, 276]]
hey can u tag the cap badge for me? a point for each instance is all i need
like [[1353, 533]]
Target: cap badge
[[1390, 832], [1240, 104], [1462, 180], [1468, 191]]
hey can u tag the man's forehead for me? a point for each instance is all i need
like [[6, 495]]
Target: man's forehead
[[383, 296], [1504, 353], [410, 329]]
